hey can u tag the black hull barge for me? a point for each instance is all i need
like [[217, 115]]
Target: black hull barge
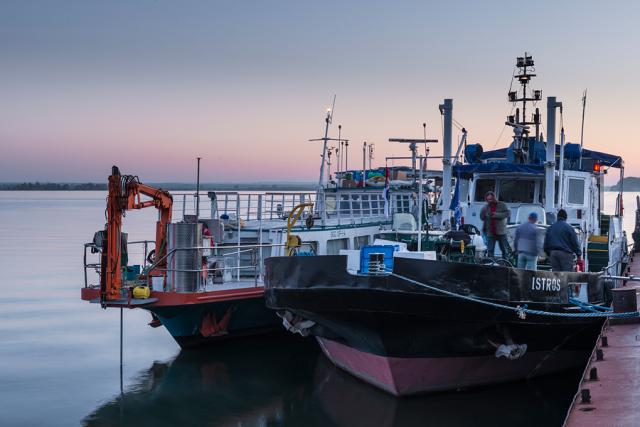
[[430, 326]]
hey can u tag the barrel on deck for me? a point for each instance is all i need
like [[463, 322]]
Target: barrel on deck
[[184, 262]]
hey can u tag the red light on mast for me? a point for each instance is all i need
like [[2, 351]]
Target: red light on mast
[[596, 167]]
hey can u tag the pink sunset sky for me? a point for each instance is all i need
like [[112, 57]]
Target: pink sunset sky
[[151, 85]]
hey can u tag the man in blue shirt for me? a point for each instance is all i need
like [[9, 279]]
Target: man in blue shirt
[[560, 243], [526, 243]]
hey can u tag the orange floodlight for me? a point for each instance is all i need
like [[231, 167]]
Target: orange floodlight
[[597, 167]]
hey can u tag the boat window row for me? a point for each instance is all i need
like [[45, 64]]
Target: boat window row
[[335, 245], [508, 190], [363, 205], [527, 190]]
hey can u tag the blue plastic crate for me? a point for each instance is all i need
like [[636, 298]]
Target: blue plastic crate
[[386, 250], [131, 272]]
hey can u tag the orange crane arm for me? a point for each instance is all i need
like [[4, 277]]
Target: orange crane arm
[[125, 193]]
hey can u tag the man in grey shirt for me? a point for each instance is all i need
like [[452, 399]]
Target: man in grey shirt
[[526, 243]]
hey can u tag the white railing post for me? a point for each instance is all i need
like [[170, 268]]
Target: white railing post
[[270, 206], [238, 231], [260, 258]]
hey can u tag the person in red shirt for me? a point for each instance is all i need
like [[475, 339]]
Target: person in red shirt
[[495, 215]]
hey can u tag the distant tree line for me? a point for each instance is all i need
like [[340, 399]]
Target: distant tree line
[[53, 186], [630, 183], [89, 186]]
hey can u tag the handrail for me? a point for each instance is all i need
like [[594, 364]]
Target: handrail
[[194, 248], [242, 249], [261, 206], [98, 264]]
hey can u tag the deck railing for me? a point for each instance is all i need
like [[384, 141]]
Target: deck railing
[[140, 248], [247, 206], [350, 205], [246, 263]]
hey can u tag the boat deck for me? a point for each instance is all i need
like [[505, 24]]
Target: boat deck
[[216, 292], [612, 378]]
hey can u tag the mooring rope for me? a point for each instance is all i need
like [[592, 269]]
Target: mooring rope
[[522, 311]]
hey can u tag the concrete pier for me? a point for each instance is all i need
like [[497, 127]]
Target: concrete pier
[[609, 393]]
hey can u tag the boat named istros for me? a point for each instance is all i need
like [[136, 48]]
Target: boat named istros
[[432, 312]]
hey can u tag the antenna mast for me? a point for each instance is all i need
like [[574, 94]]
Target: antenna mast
[[521, 127], [324, 140], [340, 147], [198, 190], [413, 147], [584, 107], [346, 154], [364, 164], [320, 189]]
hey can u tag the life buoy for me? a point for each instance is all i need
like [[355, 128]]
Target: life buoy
[[151, 256]]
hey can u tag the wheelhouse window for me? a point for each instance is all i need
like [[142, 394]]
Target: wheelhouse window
[[330, 204], [344, 206], [311, 246], [360, 242], [482, 186], [403, 203], [517, 191], [334, 246], [575, 193]]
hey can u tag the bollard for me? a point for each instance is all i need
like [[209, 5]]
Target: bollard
[[593, 374], [624, 300], [586, 395], [605, 341], [599, 354]]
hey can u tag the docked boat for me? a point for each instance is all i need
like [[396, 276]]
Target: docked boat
[[431, 312], [201, 277]]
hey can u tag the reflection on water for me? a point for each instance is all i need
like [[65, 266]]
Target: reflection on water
[[244, 383], [347, 401], [277, 381]]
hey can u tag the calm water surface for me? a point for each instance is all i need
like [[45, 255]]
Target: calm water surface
[[59, 356]]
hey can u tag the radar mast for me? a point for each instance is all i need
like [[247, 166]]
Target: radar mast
[[521, 124]]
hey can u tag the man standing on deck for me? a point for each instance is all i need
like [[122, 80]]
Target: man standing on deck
[[526, 243], [494, 216], [560, 243]]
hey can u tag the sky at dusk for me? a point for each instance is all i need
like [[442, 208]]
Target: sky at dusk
[[151, 84]]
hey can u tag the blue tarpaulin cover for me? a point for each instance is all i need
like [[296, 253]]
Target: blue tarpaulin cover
[[466, 171], [604, 158]]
